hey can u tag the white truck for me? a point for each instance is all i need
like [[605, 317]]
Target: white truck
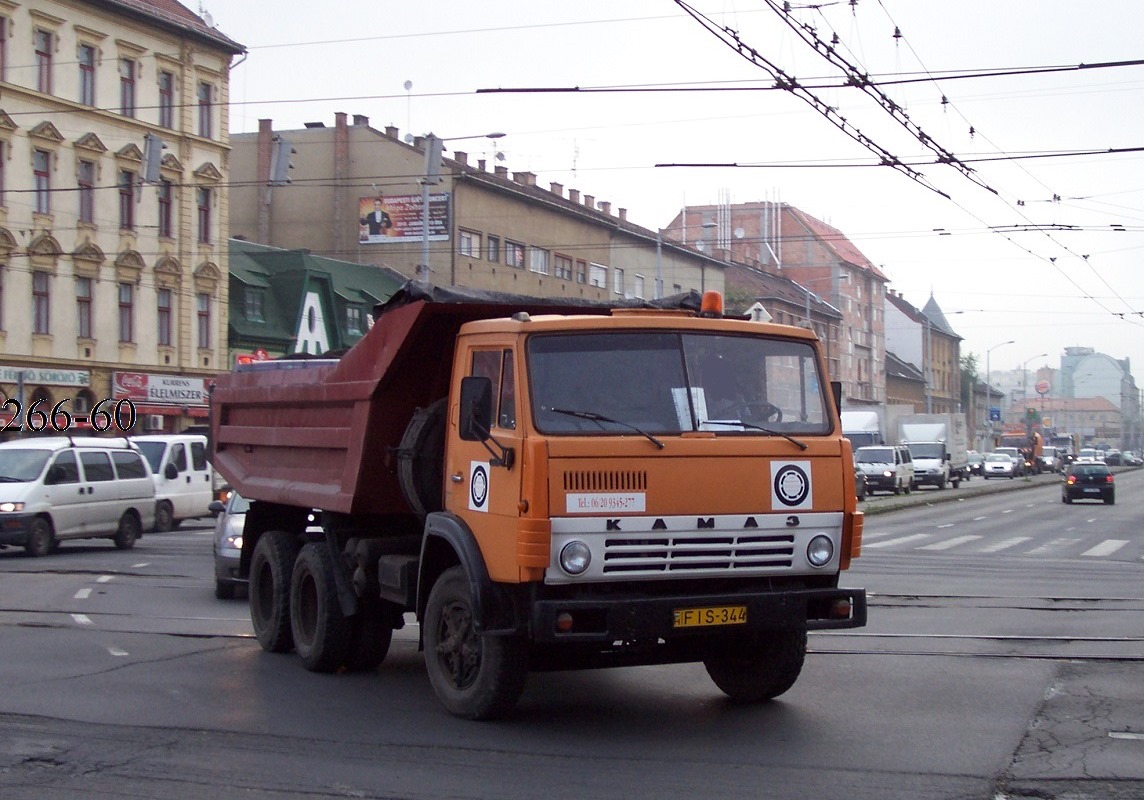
[[938, 444]]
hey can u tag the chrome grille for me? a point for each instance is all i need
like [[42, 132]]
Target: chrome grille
[[691, 552]]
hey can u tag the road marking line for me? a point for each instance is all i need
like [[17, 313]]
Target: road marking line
[[1105, 548], [1136, 737], [1005, 544], [950, 543], [1093, 519], [141, 564], [946, 525], [902, 540], [115, 651], [978, 519], [104, 579], [1007, 511], [83, 594], [1055, 544], [81, 619]]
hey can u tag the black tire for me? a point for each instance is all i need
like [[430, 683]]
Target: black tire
[[474, 676], [760, 669], [224, 590], [41, 538], [897, 488], [321, 631], [164, 517], [1063, 500], [1067, 499], [271, 567], [371, 632], [1109, 501], [128, 531]]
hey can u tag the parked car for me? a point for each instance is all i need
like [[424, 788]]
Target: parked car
[[1089, 482], [55, 487], [887, 467], [860, 489], [999, 465], [230, 517], [976, 463]]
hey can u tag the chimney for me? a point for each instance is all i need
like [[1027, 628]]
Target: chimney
[[589, 201], [340, 119], [361, 119], [605, 207], [524, 178], [461, 158], [556, 189], [418, 141], [481, 165], [623, 214], [502, 172], [574, 195], [391, 131]]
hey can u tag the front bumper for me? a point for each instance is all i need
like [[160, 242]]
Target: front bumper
[[607, 620], [14, 528]]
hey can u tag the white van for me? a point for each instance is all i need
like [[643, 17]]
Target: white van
[[888, 467], [59, 487], [184, 479]]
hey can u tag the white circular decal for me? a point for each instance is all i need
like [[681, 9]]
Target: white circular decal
[[479, 486], [792, 485]]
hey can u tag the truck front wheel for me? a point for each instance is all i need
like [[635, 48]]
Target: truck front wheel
[[474, 676], [271, 566], [321, 631], [761, 668]]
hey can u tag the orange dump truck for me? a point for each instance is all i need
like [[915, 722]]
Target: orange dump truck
[[546, 485]]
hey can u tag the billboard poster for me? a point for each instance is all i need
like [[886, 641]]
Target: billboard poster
[[389, 219], [140, 387]]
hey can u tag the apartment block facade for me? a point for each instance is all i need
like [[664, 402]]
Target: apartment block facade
[[113, 206]]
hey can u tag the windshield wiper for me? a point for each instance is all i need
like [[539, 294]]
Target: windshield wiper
[[10, 479], [594, 417], [752, 426]]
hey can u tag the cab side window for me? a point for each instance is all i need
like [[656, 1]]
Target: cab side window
[[65, 469], [507, 416], [129, 465], [496, 365], [96, 466], [198, 456], [179, 457]]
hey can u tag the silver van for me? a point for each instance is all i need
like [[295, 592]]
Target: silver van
[[184, 479], [58, 487], [888, 467]]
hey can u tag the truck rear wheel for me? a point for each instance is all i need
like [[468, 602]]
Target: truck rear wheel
[[371, 632], [271, 566], [474, 676], [760, 669], [321, 631]]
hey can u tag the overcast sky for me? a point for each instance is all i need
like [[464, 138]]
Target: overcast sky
[[1043, 250]]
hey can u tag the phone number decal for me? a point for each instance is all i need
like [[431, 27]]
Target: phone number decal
[[609, 502], [105, 415]]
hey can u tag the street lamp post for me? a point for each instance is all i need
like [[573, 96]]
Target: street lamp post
[[989, 385], [434, 146]]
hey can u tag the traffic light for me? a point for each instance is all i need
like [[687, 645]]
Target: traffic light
[[280, 163]]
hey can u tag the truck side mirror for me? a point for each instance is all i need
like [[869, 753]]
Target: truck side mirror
[[476, 408], [170, 472]]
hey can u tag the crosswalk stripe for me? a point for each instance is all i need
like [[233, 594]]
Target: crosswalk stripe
[[950, 543], [1054, 545], [901, 540], [1005, 544], [1106, 548]]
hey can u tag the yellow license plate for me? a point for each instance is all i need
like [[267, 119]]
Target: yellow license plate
[[704, 617]]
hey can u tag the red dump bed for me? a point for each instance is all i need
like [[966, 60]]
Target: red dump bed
[[325, 435]]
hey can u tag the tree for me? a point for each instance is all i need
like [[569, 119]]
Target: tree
[[969, 378]]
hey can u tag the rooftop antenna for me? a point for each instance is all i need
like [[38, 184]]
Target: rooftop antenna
[[408, 107], [208, 20]]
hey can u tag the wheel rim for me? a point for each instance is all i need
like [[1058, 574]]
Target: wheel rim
[[306, 613], [458, 646]]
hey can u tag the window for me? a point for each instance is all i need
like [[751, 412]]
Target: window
[[3, 48], [538, 260], [562, 267], [167, 99], [126, 200], [205, 110], [514, 255], [96, 466], [253, 299], [581, 272], [165, 195], [41, 169], [507, 416], [68, 471], [86, 179], [164, 315], [203, 302], [469, 244], [598, 276], [496, 365], [617, 280], [355, 319], [87, 74], [493, 248], [203, 197], [83, 307], [41, 302], [198, 456], [126, 312], [127, 87], [44, 61], [129, 464], [639, 290]]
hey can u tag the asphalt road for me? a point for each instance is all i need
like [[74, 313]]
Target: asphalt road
[[986, 671]]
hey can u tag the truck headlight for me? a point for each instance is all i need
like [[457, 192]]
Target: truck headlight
[[8, 508], [575, 557], [819, 551]]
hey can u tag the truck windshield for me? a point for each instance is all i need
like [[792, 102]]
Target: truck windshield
[[153, 452], [670, 382], [21, 466], [926, 450]]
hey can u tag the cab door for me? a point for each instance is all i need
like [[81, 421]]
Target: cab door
[[485, 495], [66, 495]]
